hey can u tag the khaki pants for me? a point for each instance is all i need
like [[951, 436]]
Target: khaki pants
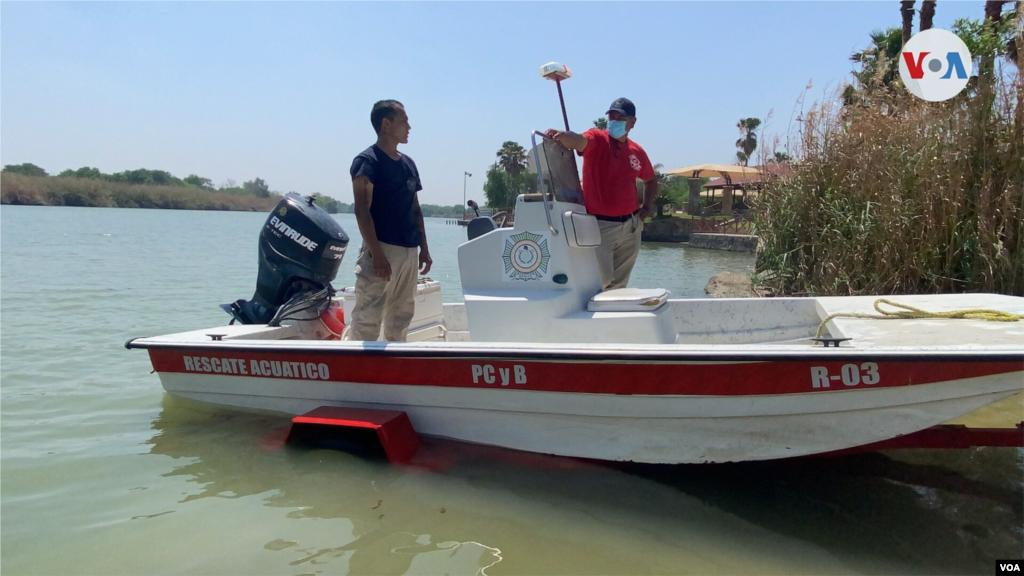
[[392, 302], [620, 244]]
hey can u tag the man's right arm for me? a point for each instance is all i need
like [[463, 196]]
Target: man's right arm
[[570, 140], [362, 192]]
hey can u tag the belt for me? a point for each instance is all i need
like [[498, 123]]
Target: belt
[[615, 218]]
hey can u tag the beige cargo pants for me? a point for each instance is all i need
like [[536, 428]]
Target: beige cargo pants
[[620, 244], [391, 302]]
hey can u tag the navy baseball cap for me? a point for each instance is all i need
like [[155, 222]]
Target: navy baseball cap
[[623, 106]]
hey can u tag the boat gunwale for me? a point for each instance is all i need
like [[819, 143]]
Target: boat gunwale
[[575, 352]]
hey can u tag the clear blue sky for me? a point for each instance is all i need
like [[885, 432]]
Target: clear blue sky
[[283, 91]]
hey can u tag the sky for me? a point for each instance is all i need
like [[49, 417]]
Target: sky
[[283, 91]]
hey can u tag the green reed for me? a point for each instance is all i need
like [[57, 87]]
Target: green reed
[[901, 196]]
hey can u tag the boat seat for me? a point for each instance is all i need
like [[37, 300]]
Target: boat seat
[[479, 226], [629, 300]]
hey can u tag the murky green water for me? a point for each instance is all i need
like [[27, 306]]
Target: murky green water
[[103, 474]]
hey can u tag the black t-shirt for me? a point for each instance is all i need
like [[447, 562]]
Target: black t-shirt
[[395, 184]]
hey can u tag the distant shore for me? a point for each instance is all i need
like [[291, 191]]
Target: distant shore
[[24, 190], [18, 189]]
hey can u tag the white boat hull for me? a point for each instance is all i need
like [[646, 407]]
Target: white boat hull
[[638, 428]]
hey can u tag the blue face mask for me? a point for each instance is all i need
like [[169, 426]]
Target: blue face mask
[[617, 128]]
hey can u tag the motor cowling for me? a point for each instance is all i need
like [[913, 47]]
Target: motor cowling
[[300, 250]]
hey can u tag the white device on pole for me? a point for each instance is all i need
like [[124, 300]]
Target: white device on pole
[[555, 71], [558, 72]]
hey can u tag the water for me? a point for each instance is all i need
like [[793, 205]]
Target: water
[[103, 474]]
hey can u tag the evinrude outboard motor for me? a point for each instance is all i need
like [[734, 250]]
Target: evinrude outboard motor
[[300, 250]]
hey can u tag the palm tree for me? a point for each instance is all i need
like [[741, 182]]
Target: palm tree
[[879, 64], [748, 143], [993, 16], [927, 15], [907, 12], [601, 123], [512, 158]]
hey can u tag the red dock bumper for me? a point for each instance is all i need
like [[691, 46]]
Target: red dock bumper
[[392, 428]]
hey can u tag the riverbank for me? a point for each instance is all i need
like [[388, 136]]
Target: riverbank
[[18, 189]]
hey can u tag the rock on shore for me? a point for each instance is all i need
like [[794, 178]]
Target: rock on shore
[[730, 285]]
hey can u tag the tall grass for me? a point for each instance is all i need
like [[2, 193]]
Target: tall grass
[[904, 196], [55, 191]]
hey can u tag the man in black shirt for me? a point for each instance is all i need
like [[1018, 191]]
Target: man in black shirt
[[385, 183]]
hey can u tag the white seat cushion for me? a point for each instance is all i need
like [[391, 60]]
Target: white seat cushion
[[629, 300]]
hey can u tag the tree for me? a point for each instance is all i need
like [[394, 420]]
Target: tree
[[879, 66], [780, 158], [83, 172], [329, 204], [522, 183], [25, 169], [748, 142], [257, 188], [671, 190], [995, 37], [496, 188], [512, 158], [1013, 48], [907, 12], [601, 123], [146, 176], [927, 15], [988, 40], [198, 181]]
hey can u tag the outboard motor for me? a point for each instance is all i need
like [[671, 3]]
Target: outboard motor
[[300, 249]]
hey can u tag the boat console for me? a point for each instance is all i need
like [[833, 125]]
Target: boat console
[[540, 281]]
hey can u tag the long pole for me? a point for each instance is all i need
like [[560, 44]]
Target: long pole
[[562, 102], [565, 118], [464, 176]]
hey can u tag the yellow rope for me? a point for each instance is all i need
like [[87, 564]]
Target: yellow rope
[[910, 312]]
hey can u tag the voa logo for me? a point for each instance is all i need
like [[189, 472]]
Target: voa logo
[[1008, 566], [935, 65]]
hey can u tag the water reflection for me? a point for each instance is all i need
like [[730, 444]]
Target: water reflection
[[947, 512], [461, 508], [235, 455]]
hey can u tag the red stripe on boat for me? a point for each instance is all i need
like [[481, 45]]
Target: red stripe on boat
[[597, 377]]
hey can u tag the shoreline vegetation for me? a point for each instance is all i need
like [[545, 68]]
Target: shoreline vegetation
[[18, 189], [29, 185], [890, 194]]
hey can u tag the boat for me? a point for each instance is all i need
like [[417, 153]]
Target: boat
[[538, 358]]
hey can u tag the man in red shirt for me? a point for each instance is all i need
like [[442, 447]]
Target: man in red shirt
[[612, 163]]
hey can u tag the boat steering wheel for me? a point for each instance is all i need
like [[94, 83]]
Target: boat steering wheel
[[504, 218]]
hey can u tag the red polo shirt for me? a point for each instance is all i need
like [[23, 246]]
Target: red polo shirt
[[610, 170]]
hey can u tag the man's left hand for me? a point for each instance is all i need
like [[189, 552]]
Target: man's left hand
[[425, 261], [645, 211]]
